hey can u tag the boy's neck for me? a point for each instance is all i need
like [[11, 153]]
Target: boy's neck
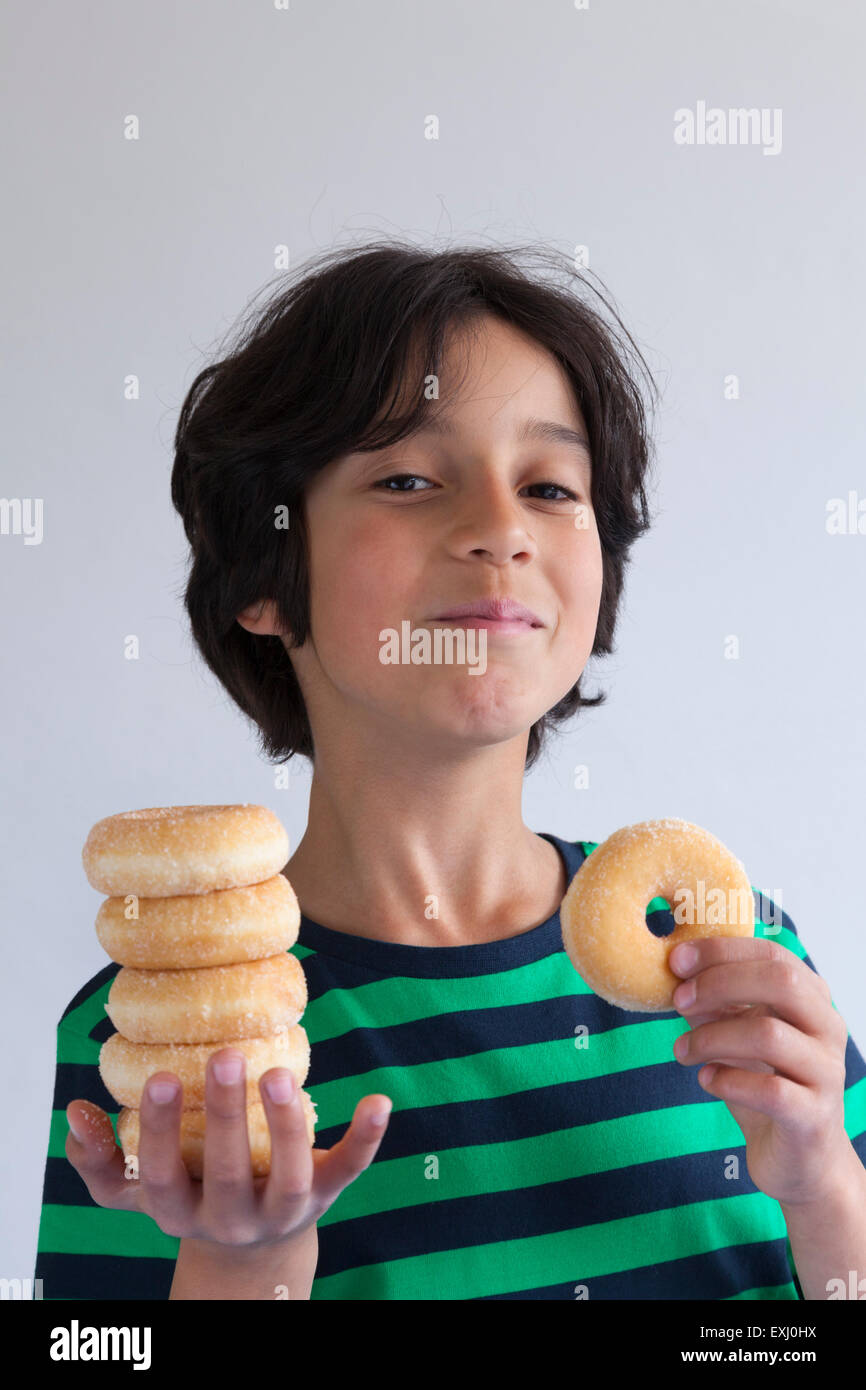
[[486, 888]]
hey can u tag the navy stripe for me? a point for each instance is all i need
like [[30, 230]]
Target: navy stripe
[[104, 1277], [82, 1081], [63, 1186]]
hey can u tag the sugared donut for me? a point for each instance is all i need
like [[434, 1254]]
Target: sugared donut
[[192, 1127], [189, 930], [217, 1003], [125, 1066], [603, 913], [163, 851]]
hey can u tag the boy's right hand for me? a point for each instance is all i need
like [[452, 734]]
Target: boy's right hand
[[229, 1206]]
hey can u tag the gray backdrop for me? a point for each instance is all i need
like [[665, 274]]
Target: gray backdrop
[[262, 127]]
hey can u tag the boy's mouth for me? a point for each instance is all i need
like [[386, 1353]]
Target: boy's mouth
[[506, 614]]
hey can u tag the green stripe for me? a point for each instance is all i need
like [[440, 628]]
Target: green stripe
[[73, 1048], [66, 1230], [610, 1247], [90, 1012], [399, 999], [855, 1109]]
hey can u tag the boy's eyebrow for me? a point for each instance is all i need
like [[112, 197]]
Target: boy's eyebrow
[[547, 431]]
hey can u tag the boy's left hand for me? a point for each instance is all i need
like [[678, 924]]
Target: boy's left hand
[[759, 1009]]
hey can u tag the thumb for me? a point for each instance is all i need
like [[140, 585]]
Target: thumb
[[97, 1159], [90, 1129]]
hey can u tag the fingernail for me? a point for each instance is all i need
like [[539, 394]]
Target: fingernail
[[162, 1091], [229, 1069], [684, 994], [684, 957], [280, 1088], [380, 1117], [78, 1133]]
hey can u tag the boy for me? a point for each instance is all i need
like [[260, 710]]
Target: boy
[[542, 1143]]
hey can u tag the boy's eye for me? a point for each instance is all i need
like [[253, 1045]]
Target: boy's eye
[[569, 495], [397, 477], [400, 477]]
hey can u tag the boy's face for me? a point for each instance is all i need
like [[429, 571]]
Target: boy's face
[[473, 522]]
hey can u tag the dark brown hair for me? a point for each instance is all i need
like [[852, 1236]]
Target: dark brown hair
[[316, 374]]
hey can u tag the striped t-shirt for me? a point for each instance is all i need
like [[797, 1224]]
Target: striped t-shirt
[[543, 1144]]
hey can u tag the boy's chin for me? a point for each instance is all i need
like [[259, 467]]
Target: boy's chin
[[458, 730]]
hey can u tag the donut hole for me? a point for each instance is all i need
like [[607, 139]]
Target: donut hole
[[659, 917]]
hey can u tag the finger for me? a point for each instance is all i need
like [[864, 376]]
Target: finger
[[342, 1163], [765, 1039], [787, 986], [729, 1011], [782, 1100], [166, 1191], [287, 1191], [228, 1193], [96, 1156], [721, 950]]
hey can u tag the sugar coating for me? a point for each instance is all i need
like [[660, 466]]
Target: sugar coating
[[222, 927], [192, 1134], [209, 1004], [163, 851], [125, 1066], [603, 913]]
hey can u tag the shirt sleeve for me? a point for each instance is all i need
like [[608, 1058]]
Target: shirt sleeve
[[85, 1251], [774, 924]]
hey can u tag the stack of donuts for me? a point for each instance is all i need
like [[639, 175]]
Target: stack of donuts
[[200, 919]]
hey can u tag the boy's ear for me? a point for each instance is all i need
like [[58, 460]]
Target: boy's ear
[[260, 618]]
